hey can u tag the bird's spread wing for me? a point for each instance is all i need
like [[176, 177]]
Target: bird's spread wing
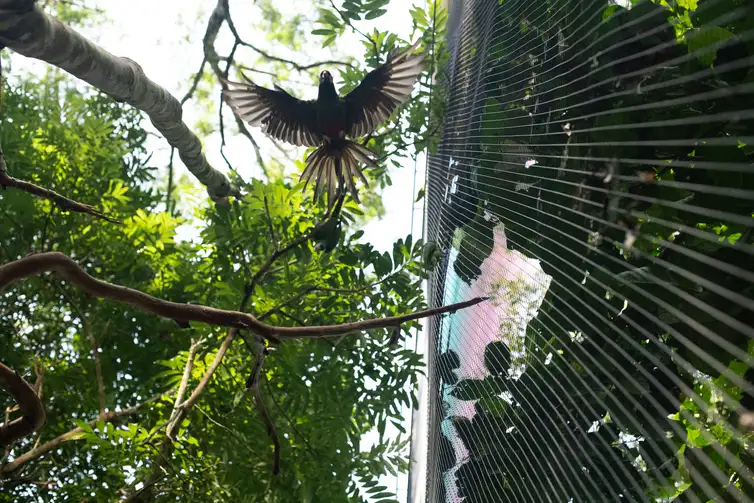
[[281, 115], [373, 101]]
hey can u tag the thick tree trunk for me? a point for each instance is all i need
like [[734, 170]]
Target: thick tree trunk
[[27, 30]]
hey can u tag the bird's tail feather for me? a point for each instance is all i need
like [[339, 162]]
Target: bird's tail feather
[[335, 165]]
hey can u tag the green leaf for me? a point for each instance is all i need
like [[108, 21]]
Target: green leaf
[[328, 41], [375, 14], [704, 43], [697, 438], [609, 11]]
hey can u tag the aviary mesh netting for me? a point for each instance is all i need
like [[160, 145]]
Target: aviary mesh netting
[[596, 179]]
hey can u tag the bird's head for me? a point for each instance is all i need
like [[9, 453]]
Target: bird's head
[[325, 76]]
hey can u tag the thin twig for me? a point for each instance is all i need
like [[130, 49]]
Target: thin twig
[[195, 82], [62, 202], [210, 54], [269, 222], [288, 302], [73, 435], [162, 458], [298, 67], [348, 22], [262, 272], [171, 174], [194, 397], [309, 448]]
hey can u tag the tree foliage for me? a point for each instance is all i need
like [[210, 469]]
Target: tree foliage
[[322, 394]]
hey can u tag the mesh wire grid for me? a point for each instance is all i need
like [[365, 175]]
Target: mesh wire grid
[[596, 179]]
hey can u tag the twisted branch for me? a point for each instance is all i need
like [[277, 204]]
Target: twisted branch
[[69, 270], [31, 407], [29, 31]]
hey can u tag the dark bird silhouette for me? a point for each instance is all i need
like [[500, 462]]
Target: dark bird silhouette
[[329, 121]]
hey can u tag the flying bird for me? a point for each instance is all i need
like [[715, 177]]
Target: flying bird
[[330, 121]]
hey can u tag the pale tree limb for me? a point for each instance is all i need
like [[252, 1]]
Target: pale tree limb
[[166, 448], [33, 265], [29, 31], [28, 402], [194, 397], [39, 370], [73, 434], [62, 202], [180, 410], [174, 420]]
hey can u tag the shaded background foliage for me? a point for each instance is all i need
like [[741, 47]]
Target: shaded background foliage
[[612, 143]]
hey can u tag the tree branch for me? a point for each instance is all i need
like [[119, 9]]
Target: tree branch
[[72, 435], [194, 82], [31, 407], [175, 420], [62, 202], [219, 15], [191, 401], [181, 409], [32, 265], [31, 32], [266, 55], [262, 272]]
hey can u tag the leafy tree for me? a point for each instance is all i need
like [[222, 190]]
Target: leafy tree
[[115, 380]]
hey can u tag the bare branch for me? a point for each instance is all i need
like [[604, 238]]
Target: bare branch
[[74, 434], [31, 32], [175, 417], [180, 410], [195, 82], [191, 401], [298, 67], [31, 407], [182, 313], [32, 265], [62, 202], [219, 15]]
